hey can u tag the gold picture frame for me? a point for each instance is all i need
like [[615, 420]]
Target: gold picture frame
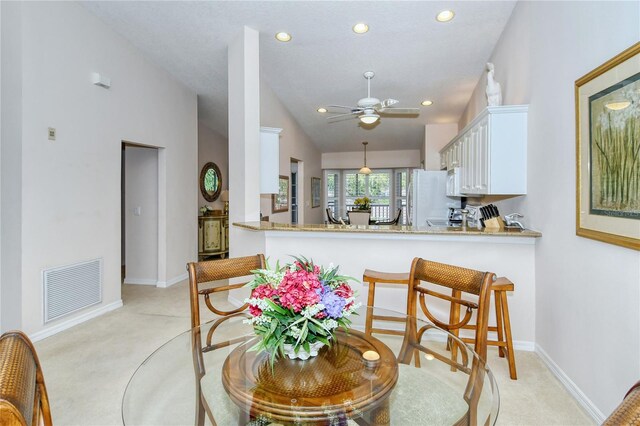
[[280, 201], [607, 103]]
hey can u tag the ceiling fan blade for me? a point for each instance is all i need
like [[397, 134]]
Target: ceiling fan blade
[[342, 117], [350, 108], [407, 111], [389, 102]]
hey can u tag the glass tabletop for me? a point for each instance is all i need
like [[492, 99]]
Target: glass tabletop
[[426, 376]]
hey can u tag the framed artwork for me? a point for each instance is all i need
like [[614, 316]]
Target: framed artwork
[[280, 201], [608, 151], [316, 187]]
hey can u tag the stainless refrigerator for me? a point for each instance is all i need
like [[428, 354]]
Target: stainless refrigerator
[[428, 199]]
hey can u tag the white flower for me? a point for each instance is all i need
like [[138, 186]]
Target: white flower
[[330, 324], [294, 331], [312, 311], [260, 303], [260, 320]]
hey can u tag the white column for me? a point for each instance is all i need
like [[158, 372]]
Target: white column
[[244, 141], [11, 166]]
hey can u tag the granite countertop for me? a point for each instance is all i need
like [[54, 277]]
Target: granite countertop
[[387, 229]]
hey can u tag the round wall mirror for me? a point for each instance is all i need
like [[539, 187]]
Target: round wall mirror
[[210, 182]]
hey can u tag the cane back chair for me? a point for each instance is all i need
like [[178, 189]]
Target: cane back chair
[[23, 394], [459, 280], [204, 272], [628, 412]]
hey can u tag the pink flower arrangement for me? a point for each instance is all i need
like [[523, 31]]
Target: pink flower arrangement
[[298, 304]]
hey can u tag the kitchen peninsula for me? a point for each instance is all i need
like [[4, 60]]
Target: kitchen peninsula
[[509, 253]]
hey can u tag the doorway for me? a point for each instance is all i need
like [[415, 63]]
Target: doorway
[[294, 191], [139, 214], [298, 202]]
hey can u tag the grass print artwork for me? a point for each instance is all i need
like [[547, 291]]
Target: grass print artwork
[[614, 115]]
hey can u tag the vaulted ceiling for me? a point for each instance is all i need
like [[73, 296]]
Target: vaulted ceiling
[[414, 57]]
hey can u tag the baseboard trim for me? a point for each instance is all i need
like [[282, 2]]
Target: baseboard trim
[[140, 281], [64, 325], [587, 405], [172, 281]]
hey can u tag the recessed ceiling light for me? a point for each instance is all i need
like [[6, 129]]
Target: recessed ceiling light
[[360, 28], [322, 110], [426, 103], [282, 36], [445, 16]]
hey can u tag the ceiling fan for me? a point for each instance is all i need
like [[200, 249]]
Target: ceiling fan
[[369, 109]]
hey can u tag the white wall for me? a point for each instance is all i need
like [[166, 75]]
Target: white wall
[[71, 187], [294, 143], [10, 160], [436, 136], [215, 148], [141, 230], [375, 159], [587, 292]]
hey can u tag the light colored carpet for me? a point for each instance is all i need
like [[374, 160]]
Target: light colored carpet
[[87, 367]]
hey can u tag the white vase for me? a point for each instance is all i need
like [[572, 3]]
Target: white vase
[[302, 354]]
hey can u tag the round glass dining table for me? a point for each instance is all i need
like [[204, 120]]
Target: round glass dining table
[[211, 375]]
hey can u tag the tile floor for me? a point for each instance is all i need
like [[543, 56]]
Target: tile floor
[[88, 366]]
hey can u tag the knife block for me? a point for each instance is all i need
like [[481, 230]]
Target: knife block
[[495, 223]]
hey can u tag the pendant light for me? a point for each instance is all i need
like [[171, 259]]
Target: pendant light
[[365, 170]]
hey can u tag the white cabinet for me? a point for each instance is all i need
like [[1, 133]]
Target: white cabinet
[[491, 152]]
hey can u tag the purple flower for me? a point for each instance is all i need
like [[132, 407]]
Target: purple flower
[[333, 304], [323, 290]]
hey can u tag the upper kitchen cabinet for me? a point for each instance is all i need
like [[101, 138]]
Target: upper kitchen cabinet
[[491, 152]]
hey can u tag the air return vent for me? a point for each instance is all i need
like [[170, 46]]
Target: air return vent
[[70, 288]]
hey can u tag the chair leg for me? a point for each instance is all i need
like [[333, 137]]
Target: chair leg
[[199, 409], [507, 328], [455, 318], [499, 325], [370, 301]]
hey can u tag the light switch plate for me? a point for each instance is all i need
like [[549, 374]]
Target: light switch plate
[[52, 134]]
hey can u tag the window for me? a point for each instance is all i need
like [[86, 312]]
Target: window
[[332, 194], [386, 188]]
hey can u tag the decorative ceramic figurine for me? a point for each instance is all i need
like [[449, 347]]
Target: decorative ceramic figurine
[[493, 91]]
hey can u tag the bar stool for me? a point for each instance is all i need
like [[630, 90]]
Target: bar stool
[[503, 325], [372, 278]]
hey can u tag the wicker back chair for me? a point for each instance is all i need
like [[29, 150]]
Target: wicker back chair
[[459, 280], [215, 270], [23, 395], [628, 412], [203, 272]]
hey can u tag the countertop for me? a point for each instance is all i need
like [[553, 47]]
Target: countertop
[[387, 229]]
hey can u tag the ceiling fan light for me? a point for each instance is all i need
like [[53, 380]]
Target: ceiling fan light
[[365, 171], [369, 118]]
